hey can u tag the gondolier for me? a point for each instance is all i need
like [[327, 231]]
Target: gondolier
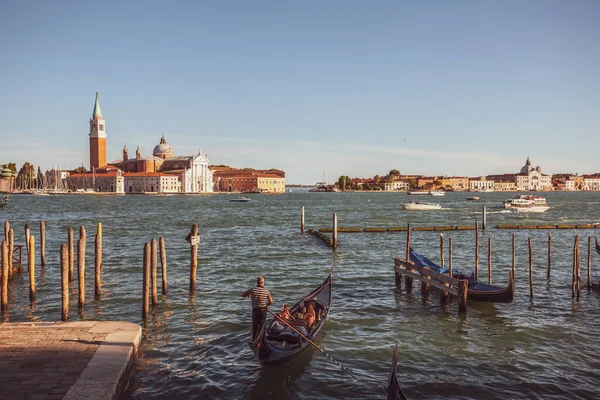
[[261, 299]]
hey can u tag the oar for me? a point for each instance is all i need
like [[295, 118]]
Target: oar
[[316, 346]]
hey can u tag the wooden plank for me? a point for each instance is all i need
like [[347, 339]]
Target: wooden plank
[[433, 281]]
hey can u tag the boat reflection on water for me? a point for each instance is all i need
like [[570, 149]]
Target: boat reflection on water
[[279, 381]]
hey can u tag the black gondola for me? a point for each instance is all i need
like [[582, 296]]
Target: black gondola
[[597, 247], [278, 346], [394, 391], [476, 291]]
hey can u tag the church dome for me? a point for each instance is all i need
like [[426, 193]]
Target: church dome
[[527, 168], [162, 150]]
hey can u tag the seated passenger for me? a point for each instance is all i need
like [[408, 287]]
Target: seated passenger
[[310, 316], [285, 312]]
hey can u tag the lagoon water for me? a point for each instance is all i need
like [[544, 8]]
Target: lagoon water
[[196, 346]]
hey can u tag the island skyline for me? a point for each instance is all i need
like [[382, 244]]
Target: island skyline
[[352, 89]]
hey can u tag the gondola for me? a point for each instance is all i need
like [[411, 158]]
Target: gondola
[[476, 291], [394, 391], [597, 247], [275, 345]]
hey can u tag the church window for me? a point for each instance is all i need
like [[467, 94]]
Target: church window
[[101, 127]]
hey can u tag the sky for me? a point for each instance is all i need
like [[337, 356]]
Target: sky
[[318, 89]]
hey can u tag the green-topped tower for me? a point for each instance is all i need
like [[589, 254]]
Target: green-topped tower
[[97, 138]]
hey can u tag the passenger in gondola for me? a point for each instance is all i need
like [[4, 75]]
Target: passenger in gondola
[[310, 316], [285, 312]]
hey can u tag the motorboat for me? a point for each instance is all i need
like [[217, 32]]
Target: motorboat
[[240, 200], [418, 192], [473, 198], [437, 193], [420, 206], [526, 203]]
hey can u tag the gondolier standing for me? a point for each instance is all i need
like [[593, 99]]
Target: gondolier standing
[[261, 299]]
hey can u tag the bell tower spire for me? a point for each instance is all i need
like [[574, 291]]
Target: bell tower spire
[[97, 137]]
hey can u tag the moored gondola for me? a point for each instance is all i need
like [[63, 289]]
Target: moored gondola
[[597, 247], [476, 291], [394, 391], [280, 342]]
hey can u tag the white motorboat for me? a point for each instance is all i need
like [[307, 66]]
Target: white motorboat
[[473, 198], [526, 203], [437, 193], [420, 206], [417, 192]]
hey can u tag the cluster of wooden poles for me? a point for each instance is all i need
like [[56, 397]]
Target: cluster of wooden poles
[[67, 264], [150, 291]]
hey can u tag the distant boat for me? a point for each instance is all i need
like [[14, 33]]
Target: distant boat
[[418, 192], [240, 200], [475, 198], [526, 203], [437, 193], [420, 206], [323, 187], [427, 192]]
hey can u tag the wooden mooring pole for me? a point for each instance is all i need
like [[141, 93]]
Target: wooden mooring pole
[[11, 252], [444, 294], [302, 219], [98, 261], [530, 269], [408, 280], [450, 256], [81, 271], [578, 269], [514, 257], [589, 263], [484, 223], [5, 263], [163, 264], [476, 252], [64, 280], [334, 241], [6, 229], [31, 268], [146, 281], [43, 244], [463, 285], [489, 260], [27, 234], [71, 255], [153, 265], [194, 259], [549, 253]]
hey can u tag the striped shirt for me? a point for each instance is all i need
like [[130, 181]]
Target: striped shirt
[[259, 295]]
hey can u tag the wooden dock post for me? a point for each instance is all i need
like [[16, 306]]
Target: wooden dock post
[[424, 284], [589, 263], [302, 219], [11, 252], [530, 269], [6, 229], [153, 265], [31, 267], [334, 242], [549, 253], [98, 261], [398, 277], [4, 302], [163, 264], [578, 269], [476, 252], [71, 255], [408, 280], [146, 281], [27, 234], [81, 271], [443, 294], [43, 244], [514, 256], [82, 232], [64, 280], [463, 284], [194, 258], [450, 256], [484, 224], [489, 260]]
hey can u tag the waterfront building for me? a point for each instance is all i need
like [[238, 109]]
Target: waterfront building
[[161, 172], [481, 184], [591, 182], [566, 182], [396, 184], [528, 178], [503, 183], [457, 183], [7, 180], [227, 179]]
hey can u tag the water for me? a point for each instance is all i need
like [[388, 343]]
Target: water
[[196, 346]]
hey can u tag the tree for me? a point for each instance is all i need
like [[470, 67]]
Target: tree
[[366, 186], [394, 172], [412, 183], [80, 170], [342, 182], [437, 183], [26, 176], [377, 178]]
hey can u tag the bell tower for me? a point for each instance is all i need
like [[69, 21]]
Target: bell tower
[[97, 138]]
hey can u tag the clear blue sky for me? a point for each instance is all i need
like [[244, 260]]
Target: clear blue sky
[[346, 87]]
